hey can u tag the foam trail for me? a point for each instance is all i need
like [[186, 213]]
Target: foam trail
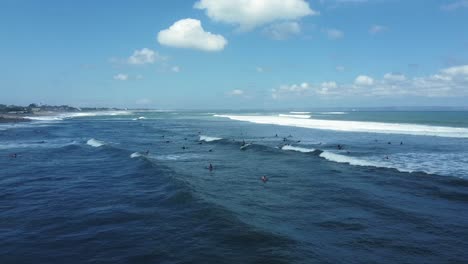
[[295, 116], [300, 113], [299, 149], [209, 139], [36, 144], [349, 160], [63, 116], [135, 155], [333, 113], [95, 143], [356, 126]]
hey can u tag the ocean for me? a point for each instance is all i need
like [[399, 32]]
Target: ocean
[[135, 187]]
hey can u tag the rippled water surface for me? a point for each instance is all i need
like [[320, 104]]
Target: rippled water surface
[[136, 188]]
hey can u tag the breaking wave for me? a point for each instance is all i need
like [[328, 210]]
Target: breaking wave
[[95, 143], [295, 116], [299, 149], [356, 126], [209, 139]]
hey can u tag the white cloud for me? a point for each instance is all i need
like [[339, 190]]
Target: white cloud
[[363, 80], [143, 56], [189, 33], [455, 5], [334, 33], [121, 77], [282, 30], [456, 70], [236, 92], [448, 82], [394, 77], [377, 29], [175, 69], [249, 14]]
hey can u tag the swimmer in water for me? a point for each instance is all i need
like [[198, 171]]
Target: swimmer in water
[[264, 179], [210, 150]]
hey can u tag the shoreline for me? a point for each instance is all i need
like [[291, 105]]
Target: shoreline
[[13, 119]]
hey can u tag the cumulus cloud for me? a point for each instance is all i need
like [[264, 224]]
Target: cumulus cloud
[[282, 30], [121, 77], [363, 80], [455, 5], [456, 70], [143, 56], [334, 33], [189, 33], [448, 82], [377, 29], [236, 92], [249, 14], [394, 77]]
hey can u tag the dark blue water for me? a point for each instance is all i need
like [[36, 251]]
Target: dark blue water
[[74, 194]]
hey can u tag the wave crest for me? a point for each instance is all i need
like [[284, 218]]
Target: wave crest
[[95, 143], [209, 139]]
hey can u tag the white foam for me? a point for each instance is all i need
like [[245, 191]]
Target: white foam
[[299, 149], [356, 126], [135, 155], [349, 160], [95, 143], [245, 146], [141, 118], [209, 139], [300, 113], [295, 116], [62, 116], [36, 144], [333, 113]]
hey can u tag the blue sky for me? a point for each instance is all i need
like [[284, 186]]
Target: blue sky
[[234, 53]]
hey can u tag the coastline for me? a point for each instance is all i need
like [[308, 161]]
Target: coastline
[[12, 119]]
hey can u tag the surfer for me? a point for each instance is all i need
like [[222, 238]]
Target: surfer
[[264, 179], [210, 167], [389, 143], [210, 150], [401, 143], [340, 147], [276, 135], [183, 147], [243, 143], [147, 152]]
